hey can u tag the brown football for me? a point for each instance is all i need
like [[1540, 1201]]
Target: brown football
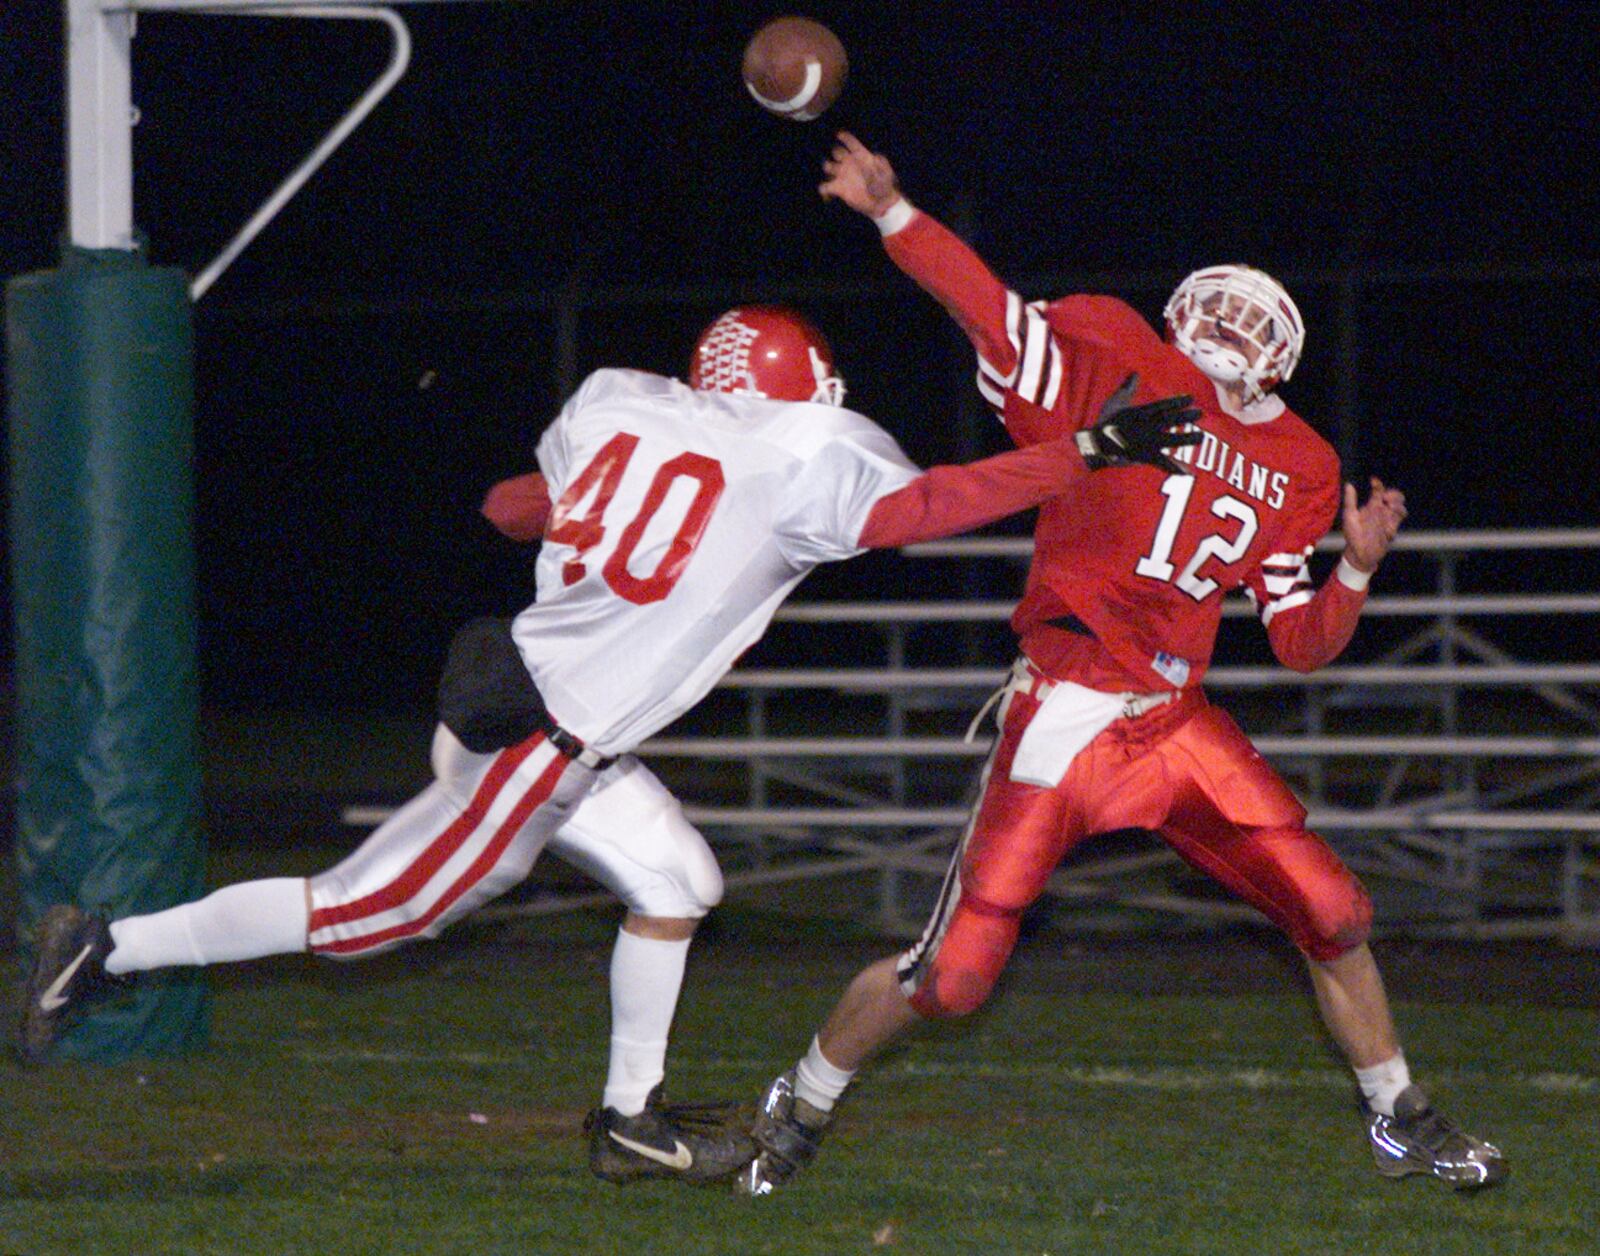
[[795, 67]]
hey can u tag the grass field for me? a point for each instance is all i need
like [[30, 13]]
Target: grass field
[[431, 1102]]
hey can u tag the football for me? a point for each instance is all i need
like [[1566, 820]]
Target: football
[[795, 67]]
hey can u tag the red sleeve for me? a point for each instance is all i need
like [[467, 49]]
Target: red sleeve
[[944, 501], [1306, 629], [1030, 424], [1020, 365], [518, 507], [1316, 632], [945, 267]]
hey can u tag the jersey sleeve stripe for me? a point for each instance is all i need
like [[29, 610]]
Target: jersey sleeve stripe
[[1285, 564], [1285, 582], [997, 378], [1039, 371], [1052, 388], [995, 396], [1031, 370], [1279, 586], [1014, 324], [1280, 604]]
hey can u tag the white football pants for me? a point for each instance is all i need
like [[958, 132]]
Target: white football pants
[[478, 828]]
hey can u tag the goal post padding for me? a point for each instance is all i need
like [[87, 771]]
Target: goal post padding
[[100, 354]]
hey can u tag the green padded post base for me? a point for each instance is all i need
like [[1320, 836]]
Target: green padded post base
[[100, 354]]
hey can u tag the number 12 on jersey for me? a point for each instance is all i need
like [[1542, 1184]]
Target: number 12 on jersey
[[1157, 565], [594, 489]]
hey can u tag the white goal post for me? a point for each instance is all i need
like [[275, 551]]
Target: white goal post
[[101, 115]]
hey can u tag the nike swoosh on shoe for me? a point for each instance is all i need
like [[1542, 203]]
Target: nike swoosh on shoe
[[52, 998], [679, 1158]]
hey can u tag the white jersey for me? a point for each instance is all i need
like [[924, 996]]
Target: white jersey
[[680, 521]]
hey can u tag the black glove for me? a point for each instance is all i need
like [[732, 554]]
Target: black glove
[[1126, 434]]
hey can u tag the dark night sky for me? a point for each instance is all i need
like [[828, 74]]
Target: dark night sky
[[388, 347]]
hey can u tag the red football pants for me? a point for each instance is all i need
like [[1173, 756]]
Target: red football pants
[[1185, 771]]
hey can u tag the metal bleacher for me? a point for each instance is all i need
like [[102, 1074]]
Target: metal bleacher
[[1458, 778]]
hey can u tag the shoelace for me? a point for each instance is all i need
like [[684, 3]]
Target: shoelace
[[1431, 1128], [692, 1117], [697, 1116]]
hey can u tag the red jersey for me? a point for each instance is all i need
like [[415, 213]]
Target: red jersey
[[1141, 558]]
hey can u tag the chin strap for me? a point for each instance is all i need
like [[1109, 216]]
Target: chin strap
[[830, 388], [1267, 407]]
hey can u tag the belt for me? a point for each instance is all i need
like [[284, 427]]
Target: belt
[[1133, 704], [573, 747]]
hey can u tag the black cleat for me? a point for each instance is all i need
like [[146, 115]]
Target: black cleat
[[1420, 1139], [787, 1130], [70, 970], [683, 1141]]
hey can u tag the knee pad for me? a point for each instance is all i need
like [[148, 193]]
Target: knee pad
[[959, 975], [631, 835], [1333, 912], [1339, 925]]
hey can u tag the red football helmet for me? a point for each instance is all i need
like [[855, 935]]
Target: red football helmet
[[765, 351]]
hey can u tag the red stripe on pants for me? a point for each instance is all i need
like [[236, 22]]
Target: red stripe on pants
[[541, 790], [437, 852]]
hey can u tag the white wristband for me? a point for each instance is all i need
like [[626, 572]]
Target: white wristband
[[1352, 577], [895, 217]]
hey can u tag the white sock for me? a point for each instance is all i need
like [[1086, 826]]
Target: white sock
[[244, 921], [646, 975], [818, 1081], [1382, 1083]]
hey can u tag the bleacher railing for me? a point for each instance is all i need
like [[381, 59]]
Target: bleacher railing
[[1477, 817], [1461, 781]]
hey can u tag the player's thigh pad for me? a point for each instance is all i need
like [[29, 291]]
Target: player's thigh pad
[[461, 842], [952, 968], [1312, 896], [630, 834], [1019, 832], [1233, 817], [1213, 752]]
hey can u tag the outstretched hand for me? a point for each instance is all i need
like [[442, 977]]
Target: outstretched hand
[[862, 179], [1369, 530], [1125, 434]]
